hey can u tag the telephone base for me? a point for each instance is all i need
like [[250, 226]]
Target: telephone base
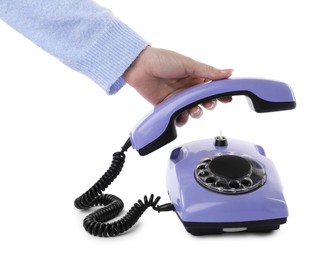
[[225, 187]]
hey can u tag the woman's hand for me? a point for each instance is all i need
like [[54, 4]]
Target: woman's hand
[[158, 74]]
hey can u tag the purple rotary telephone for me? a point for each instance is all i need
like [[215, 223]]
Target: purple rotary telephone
[[215, 185]]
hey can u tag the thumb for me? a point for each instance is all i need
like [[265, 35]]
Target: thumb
[[201, 70]]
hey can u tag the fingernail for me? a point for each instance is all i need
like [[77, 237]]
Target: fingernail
[[227, 71], [196, 112], [212, 105]]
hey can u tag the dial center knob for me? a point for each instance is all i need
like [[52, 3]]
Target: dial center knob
[[230, 166]]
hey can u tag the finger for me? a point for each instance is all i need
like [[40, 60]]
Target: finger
[[182, 118], [210, 105], [196, 112], [225, 99]]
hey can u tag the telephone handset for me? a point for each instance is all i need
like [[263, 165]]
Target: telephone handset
[[158, 127], [224, 166]]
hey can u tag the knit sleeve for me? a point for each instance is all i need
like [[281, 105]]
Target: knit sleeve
[[83, 35]]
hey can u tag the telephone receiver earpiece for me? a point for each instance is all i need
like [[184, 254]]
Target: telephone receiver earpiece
[[158, 127]]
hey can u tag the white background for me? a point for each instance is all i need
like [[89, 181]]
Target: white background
[[58, 132]]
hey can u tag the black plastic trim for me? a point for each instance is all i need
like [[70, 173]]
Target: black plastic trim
[[201, 228]]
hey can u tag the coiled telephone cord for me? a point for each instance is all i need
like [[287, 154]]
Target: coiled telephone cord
[[95, 223]]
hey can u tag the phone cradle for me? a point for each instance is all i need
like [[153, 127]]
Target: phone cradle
[[219, 185]]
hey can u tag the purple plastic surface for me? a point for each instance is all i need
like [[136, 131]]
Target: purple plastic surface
[[154, 124], [194, 203]]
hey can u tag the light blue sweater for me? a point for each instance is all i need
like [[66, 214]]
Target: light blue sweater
[[80, 33]]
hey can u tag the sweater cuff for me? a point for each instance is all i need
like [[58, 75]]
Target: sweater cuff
[[109, 57]]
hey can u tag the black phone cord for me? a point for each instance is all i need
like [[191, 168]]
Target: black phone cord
[[95, 223]]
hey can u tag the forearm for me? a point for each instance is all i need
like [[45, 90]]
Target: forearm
[[81, 34]]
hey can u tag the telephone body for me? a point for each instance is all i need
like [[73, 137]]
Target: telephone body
[[215, 185]]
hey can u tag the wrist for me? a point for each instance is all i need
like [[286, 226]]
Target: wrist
[[133, 71]]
